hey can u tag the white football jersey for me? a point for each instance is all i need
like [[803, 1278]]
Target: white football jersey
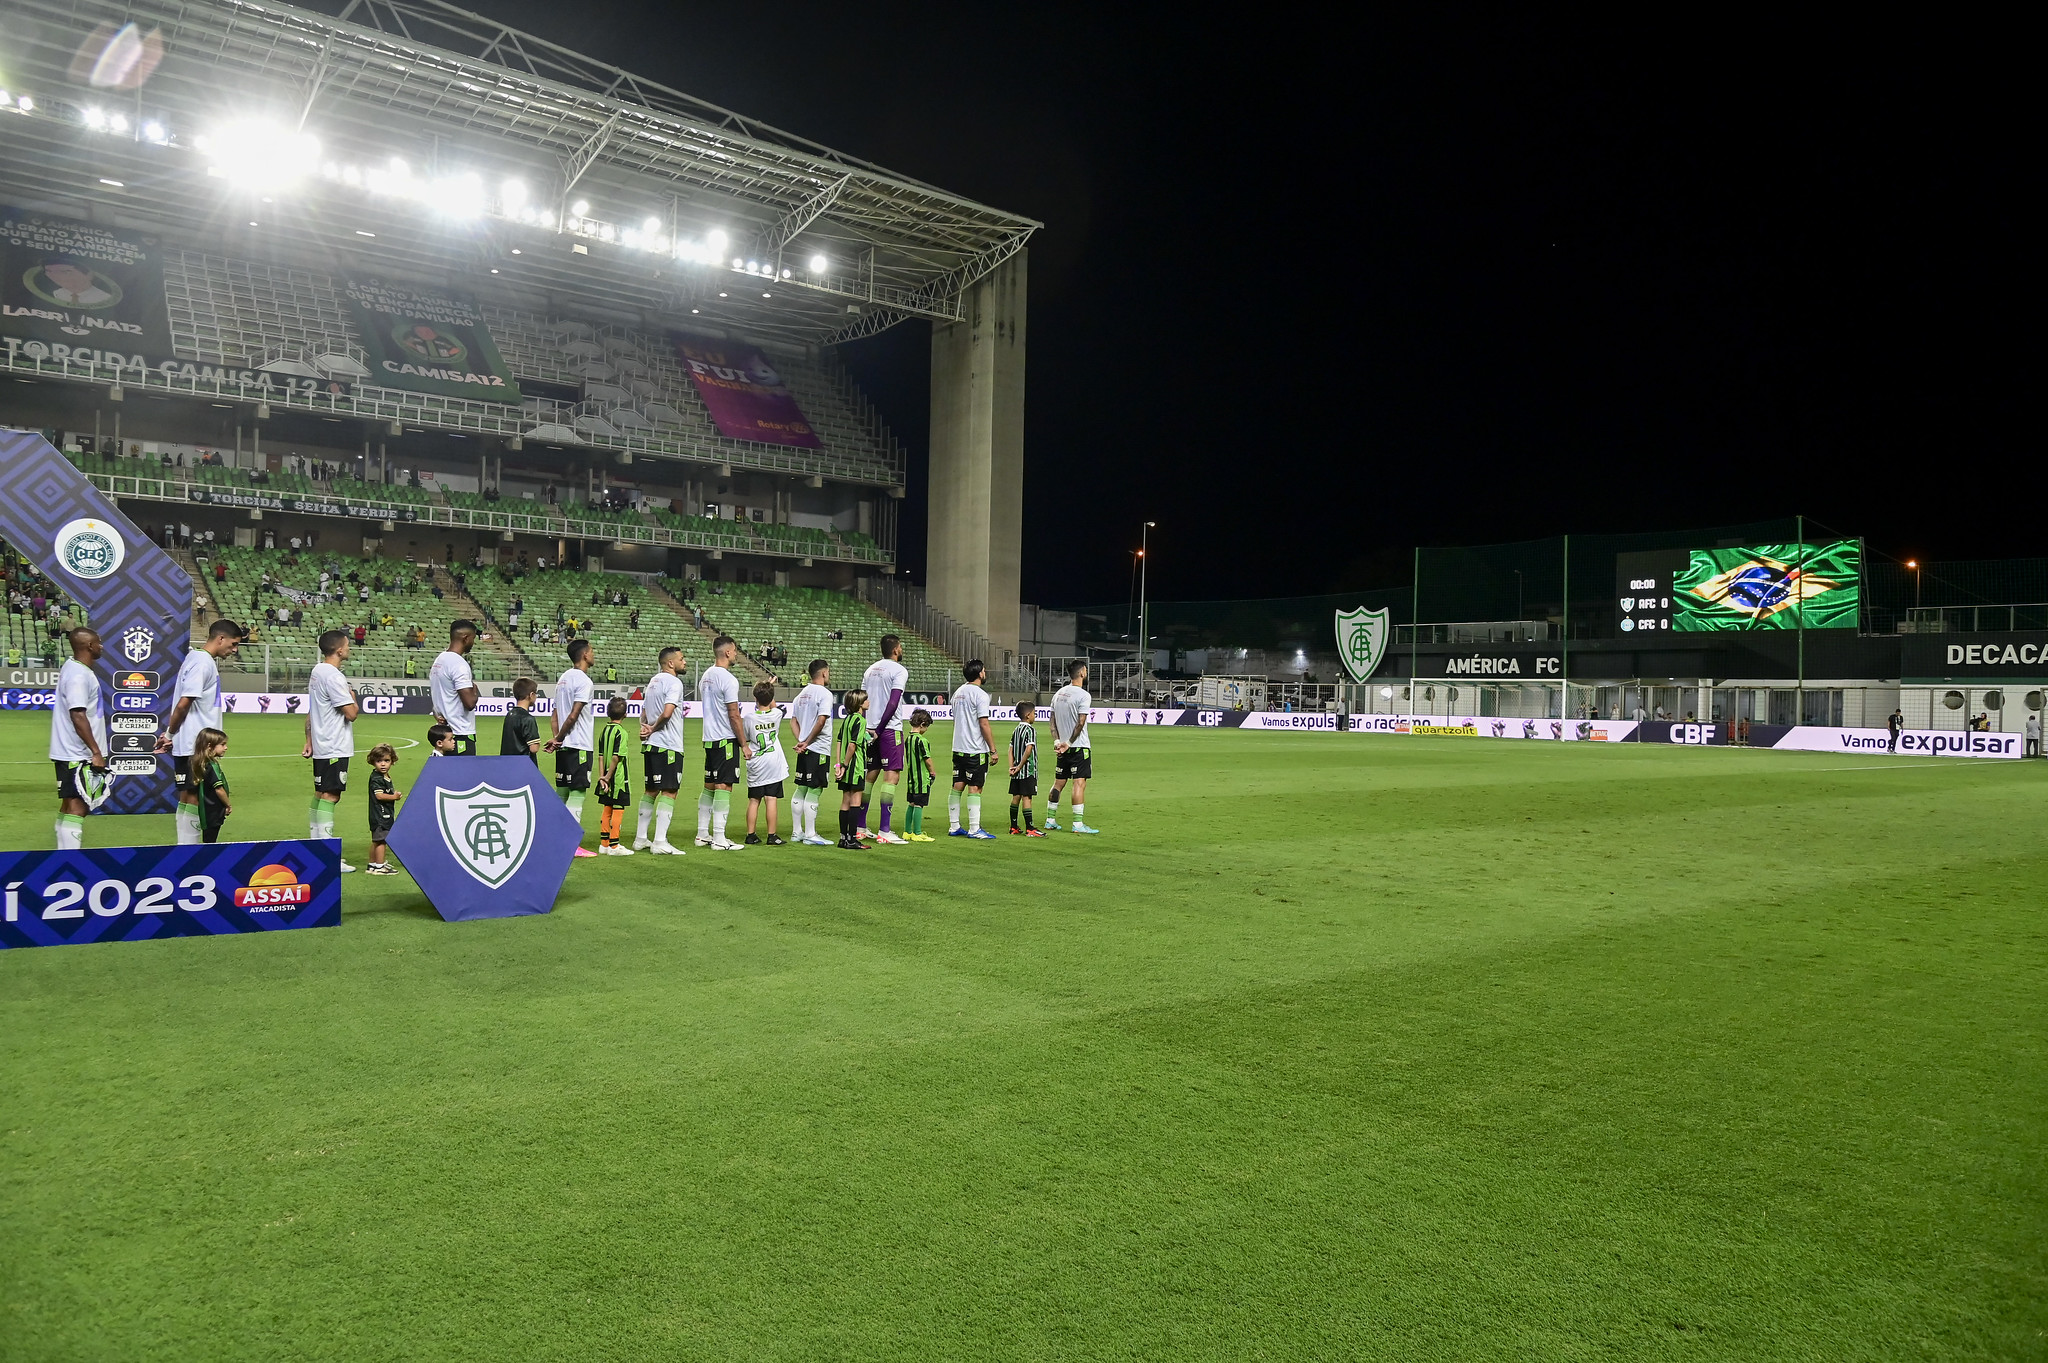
[[447, 678], [882, 678], [573, 686], [811, 703], [327, 692], [78, 688], [198, 678], [718, 688], [769, 764], [663, 690], [1069, 707], [970, 706]]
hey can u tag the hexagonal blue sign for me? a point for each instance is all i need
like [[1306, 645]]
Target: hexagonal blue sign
[[485, 837]]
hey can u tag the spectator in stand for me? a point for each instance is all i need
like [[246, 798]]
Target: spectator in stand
[[360, 633], [220, 571]]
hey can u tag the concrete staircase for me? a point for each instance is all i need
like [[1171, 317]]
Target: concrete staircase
[[751, 670], [203, 615], [502, 645]]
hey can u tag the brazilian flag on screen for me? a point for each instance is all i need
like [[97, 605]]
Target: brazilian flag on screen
[[1770, 586]]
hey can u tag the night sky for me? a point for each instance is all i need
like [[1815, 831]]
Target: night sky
[[1311, 295]]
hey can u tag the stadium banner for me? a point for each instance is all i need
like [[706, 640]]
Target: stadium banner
[[135, 894], [136, 597], [1912, 742], [1771, 586], [1498, 662], [306, 505], [427, 341], [2019, 655], [744, 393], [1488, 726], [485, 837], [67, 284]]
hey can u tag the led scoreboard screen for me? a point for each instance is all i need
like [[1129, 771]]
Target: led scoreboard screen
[[1770, 586]]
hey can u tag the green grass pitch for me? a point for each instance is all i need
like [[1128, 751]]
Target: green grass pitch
[[1328, 1048]]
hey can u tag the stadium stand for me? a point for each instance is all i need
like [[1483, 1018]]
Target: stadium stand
[[557, 596], [636, 395], [401, 601], [803, 620]]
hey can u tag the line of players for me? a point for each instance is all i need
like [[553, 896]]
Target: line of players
[[863, 758]]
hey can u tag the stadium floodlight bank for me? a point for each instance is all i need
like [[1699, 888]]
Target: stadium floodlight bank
[[397, 239]]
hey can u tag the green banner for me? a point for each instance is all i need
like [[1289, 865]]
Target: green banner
[[428, 342], [71, 288], [1770, 586]]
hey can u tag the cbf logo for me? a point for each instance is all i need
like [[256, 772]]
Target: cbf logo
[[1362, 639], [90, 549], [487, 831], [137, 643]]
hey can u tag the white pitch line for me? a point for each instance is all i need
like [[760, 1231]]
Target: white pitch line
[[238, 757]]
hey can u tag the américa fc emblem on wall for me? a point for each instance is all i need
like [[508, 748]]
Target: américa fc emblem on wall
[[1362, 639]]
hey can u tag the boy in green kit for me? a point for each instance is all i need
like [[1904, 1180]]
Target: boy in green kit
[[614, 791], [919, 776]]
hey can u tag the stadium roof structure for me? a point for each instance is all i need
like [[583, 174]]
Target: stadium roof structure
[[453, 149]]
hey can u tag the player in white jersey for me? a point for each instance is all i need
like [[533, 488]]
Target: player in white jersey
[[810, 717], [661, 750], [884, 682], [1070, 740], [78, 740], [573, 717], [973, 741], [330, 734], [196, 706], [454, 688], [725, 745], [768, 767]]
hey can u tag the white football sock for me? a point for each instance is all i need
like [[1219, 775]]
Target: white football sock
[[1074, 809], [704, 813], [646, 818], [70, 832], [664, 810], [953, 811], [189, 830], [974, 813]]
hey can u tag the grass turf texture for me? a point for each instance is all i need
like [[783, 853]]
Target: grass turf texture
[[1329, 1047]]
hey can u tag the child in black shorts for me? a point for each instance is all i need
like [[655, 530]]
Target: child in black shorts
[[383, 808]]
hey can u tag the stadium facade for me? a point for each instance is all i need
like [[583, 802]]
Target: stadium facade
[[392, 279]]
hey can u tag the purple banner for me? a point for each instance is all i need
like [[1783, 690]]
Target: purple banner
[[744, 393]]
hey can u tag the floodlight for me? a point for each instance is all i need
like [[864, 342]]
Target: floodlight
[[25, 104], [714, 240], [117, 123], [512, 193], [95, 119], [259, 154], [115, 183], [152, 131], [651, 225], [738, 264], [785, 273], [580, 207], [819, 264]]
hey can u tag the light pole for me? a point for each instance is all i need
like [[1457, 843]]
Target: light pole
[[1914, 564], [1144, 620]]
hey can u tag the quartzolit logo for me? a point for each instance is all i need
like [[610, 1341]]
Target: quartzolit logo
[[487, 831], [91, 549]]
